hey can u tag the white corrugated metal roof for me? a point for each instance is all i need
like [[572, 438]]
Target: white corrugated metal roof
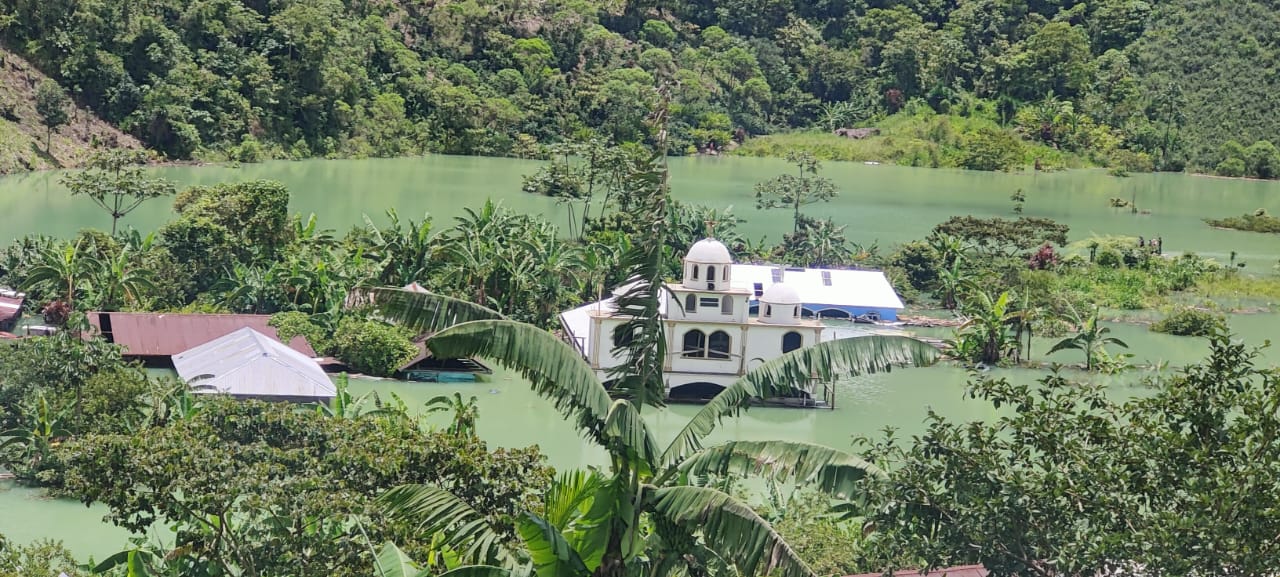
[[849, 288], [248, 363]]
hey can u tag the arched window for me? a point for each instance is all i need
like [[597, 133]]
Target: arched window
[[791, 341], [691, 303], [797, 311], [695, 272], [768, 310], [695, 344], [726, 305], [725, 275], [622, 337], [718, 344], [711, 273]]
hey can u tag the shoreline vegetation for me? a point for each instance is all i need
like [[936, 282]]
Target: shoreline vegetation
[[1259, 221], [365, 484]]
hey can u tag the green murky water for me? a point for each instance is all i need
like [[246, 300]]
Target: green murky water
[[879, 203]]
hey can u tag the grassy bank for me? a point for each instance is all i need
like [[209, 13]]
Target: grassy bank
[[924, 140], [25, 143]]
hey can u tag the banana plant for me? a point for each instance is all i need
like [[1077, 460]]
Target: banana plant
[[464, 413], [344, 405], [653, 506], [67, 270], [1092, 339], [44, 426]]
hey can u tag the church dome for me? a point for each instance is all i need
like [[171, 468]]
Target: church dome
[[781, 294], [709, 251]]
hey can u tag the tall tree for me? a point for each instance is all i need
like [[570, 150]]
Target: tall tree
[[796, 190], [51, 104], [116, 182]]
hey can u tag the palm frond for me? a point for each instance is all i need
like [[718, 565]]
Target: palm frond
[[551, 553], [426, 312], [732, 530], [639, 376], [831, 471], [555, 370], [570, 495], [823, 361], [435, 509]]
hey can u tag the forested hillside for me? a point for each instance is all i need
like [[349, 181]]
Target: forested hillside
[[1218, 62], [247, 79]]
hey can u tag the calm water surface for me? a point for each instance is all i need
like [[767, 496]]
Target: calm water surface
[[889, 204], [879, 203]]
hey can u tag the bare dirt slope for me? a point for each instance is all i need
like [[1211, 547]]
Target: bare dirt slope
[[22, 136]]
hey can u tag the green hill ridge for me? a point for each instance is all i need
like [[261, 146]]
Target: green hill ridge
[[1129, 83]]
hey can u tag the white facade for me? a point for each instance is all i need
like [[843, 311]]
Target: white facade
[[712, 337]]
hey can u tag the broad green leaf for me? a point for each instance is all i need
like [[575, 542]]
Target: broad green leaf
[[556, 371], [834, 472], [551, 553], [625, 428], [392, 562], [823, 362], [426, 312], [732, 530]]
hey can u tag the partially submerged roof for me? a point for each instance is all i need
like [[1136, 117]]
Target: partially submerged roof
[[961, 571], [424, 359], [167, 334], [10, 305], [247, 363], [821, 286]]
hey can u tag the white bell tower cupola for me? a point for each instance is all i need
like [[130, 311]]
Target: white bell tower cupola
[[780, 305], [707, 266]]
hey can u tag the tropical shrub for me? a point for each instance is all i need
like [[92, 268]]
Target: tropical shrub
[[39, 558], [999, 489], [300, 485], [291, 324], [372, 347], [1189, 322]]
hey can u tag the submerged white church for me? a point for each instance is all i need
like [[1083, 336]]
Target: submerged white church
[[723, 319]]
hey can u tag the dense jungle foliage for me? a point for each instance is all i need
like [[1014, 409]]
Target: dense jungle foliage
[[1128, 83]]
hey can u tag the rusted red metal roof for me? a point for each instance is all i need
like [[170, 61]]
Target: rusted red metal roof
[[10, 306], [167, 334], [961, 571]]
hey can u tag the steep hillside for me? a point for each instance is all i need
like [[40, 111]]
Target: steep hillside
[[1137, 83], [22, 136], [252, 78], [1224, 58]]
